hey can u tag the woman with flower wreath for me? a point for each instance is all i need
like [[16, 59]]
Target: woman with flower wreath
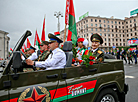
[[81, 51]]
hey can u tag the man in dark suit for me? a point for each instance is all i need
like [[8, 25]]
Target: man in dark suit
[[135, 52], [123, 54], [118, 53]]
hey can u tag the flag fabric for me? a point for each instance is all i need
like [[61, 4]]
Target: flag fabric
[[28, 43], [67, 12], [57, 33], [11, 49], [37, 41], [43, 31], [72, 32], [22, 50], [25, 47]]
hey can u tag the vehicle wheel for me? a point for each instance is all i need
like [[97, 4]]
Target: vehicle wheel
[[107, 95]]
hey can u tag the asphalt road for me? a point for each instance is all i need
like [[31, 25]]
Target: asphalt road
[[131, 76]]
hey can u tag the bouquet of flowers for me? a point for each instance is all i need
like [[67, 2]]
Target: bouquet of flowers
[[88, 59]]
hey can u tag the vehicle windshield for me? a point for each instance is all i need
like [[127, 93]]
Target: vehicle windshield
[[17, 47]]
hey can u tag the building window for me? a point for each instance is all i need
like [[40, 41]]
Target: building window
[[113, 39], [108, 30], [124, 40], [120, 31], [112, 30], [113, 44], [104, 21], [130, 21], [86, 20], [123, 35], [127, 35], [96, 29], [135, 34], [120, 35], [108, 34], [119, 22], [104, 25], [105, 39], [87, 34], [108, 26], [112, 35], [120, 44], [124, 44], [131, 30], [126, 22], [109, 39], [100, 34], [91, 33], [122, 26], [99, 20], [122, 22], [127, 30], [126, 26], [95, 20], [105, 43], [91, 20], [131, 34], [79, 24], [130, 25], [104, 34], [95, 25], [84, 30], [91, 24], [84, 35], [116, 44], [87, 25], [100, 25], [112, 22], [123, 31], [91, 29], [112, 26], [134, 20], [100, 29], [84, 26], [119, 27], [116, 35], [107, 21], [115, 22], [105, 30], [120, 39]]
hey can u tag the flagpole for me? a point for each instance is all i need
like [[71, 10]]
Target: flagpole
[[65, 33]]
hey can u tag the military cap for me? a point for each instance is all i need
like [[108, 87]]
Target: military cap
[[31, 47], [96, 37], [44, 43], [53, 38]]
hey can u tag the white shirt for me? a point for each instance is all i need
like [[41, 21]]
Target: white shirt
[[56, 60], [33, 56]]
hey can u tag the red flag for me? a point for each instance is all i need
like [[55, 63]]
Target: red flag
[[22, 50], [72, 32], [43, 31], [11, 49], [28, 43], [67, 11], [25, 47], [57, 33]]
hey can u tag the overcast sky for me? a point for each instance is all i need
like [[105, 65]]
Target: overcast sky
[[17, 16]]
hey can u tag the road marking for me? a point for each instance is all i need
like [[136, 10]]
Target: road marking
[[126, 76], [130, 66]]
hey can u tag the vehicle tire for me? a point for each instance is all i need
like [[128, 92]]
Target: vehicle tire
[[107, 95], [109, 56]]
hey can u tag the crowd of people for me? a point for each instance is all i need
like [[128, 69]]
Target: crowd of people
[[127, 55]]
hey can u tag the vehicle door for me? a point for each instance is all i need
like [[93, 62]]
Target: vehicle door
[[81, 81], [36, 85]]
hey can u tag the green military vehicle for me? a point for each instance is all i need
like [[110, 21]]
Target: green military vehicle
[[104, 82]]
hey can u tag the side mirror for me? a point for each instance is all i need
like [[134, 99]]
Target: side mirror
[[17, 61]]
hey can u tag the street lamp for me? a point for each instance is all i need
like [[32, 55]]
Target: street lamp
[[58, 14]]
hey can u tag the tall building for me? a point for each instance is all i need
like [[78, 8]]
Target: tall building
[[115, 32], [4, 44]]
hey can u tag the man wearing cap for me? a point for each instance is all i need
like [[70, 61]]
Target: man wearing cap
[[96, 40], [44, 47], [33, 55], [57, 58]]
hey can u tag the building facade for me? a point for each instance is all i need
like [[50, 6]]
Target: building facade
[[115, 32], [4, 44]]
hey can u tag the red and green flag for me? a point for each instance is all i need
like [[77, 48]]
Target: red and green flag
[[43, 31], [11, 49], [72, 32], [57, 34], [28, 43], [25, 48], [37, 41], [22, 50]]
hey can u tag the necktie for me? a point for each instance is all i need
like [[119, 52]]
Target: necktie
[[51, 54]]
